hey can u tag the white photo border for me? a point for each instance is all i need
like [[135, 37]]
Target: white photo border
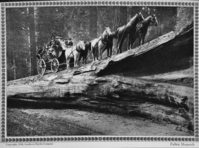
[[3, 78]]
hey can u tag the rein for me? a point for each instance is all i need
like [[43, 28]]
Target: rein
[[104, 41]]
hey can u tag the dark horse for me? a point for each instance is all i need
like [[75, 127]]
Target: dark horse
[[84, 53], [128, 29], [109, 44], [142, 30]]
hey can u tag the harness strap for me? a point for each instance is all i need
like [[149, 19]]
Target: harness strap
[[71, 52], [104, 41], [77, 49]]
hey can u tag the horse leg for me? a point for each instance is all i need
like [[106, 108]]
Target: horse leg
[[107, 52], [97, 54], [93, 55], [129, 42], [141, 42], [110, 52], [140, 39], [80, 57], [143, 39], [84, 59], [100, 52], [92, 52], [132, 42], [75, 60], [111, 48], [120, 45], [67, 63]]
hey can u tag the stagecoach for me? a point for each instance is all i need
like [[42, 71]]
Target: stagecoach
[[50, 59]]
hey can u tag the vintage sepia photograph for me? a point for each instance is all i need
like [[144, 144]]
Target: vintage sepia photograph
[[99, 70]]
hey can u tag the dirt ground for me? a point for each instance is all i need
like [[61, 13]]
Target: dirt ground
[[49, 122]]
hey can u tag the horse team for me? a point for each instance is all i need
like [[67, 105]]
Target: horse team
[[136, 28]]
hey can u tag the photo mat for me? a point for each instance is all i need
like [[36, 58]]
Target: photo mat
[[147, 88]]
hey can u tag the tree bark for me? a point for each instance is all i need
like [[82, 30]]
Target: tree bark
[[93, 22], [32, 41], [123, 21]]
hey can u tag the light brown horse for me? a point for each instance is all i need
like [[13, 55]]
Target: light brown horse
[[74, 52], [98, 44]]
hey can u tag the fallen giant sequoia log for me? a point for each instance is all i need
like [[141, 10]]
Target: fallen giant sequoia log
[[104, 85]]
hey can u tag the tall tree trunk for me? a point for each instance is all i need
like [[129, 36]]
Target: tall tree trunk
[[36, 24], [32, 41], [93, 22], [14, 69], [28, 58], [123, 15], [123, 21]]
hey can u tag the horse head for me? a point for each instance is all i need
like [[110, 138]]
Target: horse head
[[140, 17], [154, 20], [68, 42], [81, 44], [106, 33], [108, 30]]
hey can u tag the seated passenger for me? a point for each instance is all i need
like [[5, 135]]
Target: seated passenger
[[69, 42]]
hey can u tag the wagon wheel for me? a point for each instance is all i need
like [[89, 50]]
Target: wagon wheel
[[41, 67], [54, 65]]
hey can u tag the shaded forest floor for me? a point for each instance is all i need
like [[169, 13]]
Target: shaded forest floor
[[50, 122]]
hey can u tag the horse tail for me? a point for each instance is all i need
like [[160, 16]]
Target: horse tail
[[121, 38], [89, 46]]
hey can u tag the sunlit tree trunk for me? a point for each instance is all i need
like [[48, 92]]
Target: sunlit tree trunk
[[14, 69], [32, 40], [36, 24], [123, 21]]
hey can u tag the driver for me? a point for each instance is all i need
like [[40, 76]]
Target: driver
[[69, 42], [52, 41]]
